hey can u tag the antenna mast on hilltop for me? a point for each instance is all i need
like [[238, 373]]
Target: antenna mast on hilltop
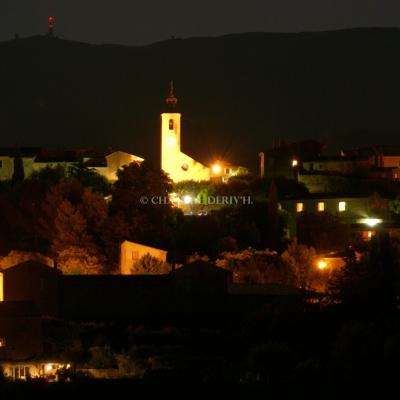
[[51, 22]]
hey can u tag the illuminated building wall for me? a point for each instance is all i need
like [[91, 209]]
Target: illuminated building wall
[[115, 161], [36, 159], [177, 164], [132, 252], [222, 171], [357, 212]]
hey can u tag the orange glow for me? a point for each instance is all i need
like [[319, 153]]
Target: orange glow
[[216, 169], [367, 235], [48, 367], [322, 264]]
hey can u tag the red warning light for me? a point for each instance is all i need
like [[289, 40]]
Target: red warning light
[[50, 21]]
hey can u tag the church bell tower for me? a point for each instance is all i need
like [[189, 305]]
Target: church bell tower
[[174, 162], [170, 133]]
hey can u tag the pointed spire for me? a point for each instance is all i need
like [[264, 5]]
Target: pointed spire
[[171, 100]]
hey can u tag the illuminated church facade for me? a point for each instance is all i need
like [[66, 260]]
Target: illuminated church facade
[[178, 165]]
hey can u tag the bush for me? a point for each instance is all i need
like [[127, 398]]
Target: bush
[[150, 265]]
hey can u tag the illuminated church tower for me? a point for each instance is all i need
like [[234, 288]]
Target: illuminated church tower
[[178, 165]]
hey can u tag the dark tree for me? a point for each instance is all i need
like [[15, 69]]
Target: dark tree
[[370, 285], [274, 231], [19, 172], [323, 231], [71, 218], [48, 177], [140, 209], [89, 177]]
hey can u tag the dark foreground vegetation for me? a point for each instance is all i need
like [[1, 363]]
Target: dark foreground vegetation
[[286, 345]]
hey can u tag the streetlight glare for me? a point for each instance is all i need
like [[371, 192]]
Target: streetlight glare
[[371, 221], [187, 199], [322, 264], [216, 168]]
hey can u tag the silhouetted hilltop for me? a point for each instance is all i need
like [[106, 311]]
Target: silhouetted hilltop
[[236, 92]]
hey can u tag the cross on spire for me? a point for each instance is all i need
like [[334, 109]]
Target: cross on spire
[[171, 100]]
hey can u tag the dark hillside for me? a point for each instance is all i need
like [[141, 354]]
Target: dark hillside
[[236, 92]]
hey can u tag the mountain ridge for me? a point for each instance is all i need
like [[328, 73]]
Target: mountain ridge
[[236, 92]]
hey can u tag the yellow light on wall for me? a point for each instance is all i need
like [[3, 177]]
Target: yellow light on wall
[[48, 367], [321, 206], [322, 264], [342, 206], [171, 140], [216, 169], [299, 207]]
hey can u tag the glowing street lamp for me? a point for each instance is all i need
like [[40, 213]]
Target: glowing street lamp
[[187, 199], [322, 264], [48, 367], [371, 221], [295, 163], [216, 169]]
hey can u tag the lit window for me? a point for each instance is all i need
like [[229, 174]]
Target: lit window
[[295, 163], [342, 206], [299, 207], [321, 206], [367, 235], [2, 342], [20, 372]]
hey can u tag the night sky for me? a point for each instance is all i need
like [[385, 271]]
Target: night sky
[[142, 22]]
